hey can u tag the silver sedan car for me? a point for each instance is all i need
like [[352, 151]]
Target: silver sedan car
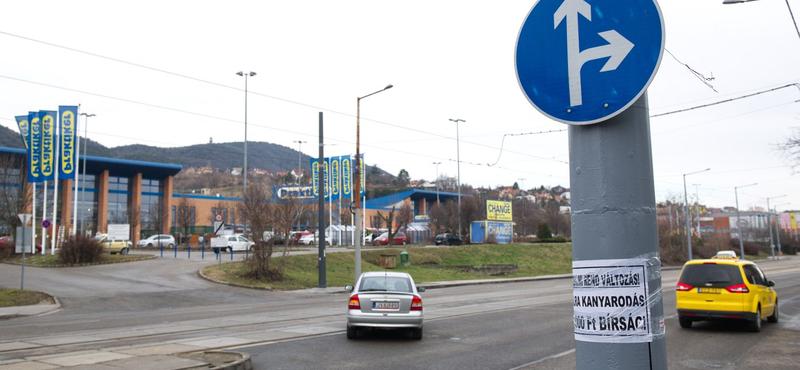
[[383, 299]]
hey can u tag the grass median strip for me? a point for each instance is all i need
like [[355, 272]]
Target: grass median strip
[[16, 297], [48, 260], [301, 270]]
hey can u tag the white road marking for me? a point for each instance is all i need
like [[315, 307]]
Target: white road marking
[[557, 355]]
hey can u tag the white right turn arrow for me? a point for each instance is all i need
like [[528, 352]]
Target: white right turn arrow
[[616, 50]]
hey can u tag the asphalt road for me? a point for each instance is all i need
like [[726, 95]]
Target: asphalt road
[[499, 326], [538, 335]]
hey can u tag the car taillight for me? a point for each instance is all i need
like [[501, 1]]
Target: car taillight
[[741, 288], [354, 304], [416, 304], [683, 287]]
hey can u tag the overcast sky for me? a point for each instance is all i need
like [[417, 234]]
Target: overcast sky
[[162, 73]]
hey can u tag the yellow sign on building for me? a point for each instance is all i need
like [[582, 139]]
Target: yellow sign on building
[[497, 210]]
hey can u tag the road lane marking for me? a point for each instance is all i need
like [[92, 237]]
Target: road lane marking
[[557, 355]]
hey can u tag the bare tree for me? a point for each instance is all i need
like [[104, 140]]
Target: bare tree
[[792, 148], [184, 217], [134, 213], [256, 208], [405, 217], [557, 221], [262, 215], [15, 194], [154, 217], [389, 220]]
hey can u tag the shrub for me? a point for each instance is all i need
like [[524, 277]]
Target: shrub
[[6, 250], [749, 248], [80, 249], [491, 239], [543, 231], [789, 249]]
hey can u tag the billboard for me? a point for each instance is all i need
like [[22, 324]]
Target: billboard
[[497, 210]]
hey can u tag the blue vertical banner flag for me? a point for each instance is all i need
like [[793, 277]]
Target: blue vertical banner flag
[[34, 148], [24, 129], [66, 137], [363, 176], [48, 121], [326, 174], [315, 177], [335, 177], [347, 177]]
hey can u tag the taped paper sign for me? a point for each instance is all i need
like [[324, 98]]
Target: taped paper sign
[[611, 301]]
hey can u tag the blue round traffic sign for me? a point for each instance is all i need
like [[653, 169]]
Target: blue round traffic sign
[[46, 224], [585, 61]]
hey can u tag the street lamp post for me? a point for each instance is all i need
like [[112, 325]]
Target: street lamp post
[[686, 200], [725, 2], [85, 148], [769, 225], [458, 161], [739, 219], [245, 74], [437, 181], [357, 181], [778, 228], [299, 159]]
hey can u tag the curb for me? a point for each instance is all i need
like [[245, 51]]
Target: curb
[[56, 306], [207, 278], [148, 257], [215, 357]]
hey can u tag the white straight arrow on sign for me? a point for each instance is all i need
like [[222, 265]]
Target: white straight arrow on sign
[[616, 50]]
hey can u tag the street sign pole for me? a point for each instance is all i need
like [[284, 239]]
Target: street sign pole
[[614, 159], [24, 218], [588, 64]]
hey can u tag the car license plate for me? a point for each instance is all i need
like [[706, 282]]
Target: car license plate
[[386, 305], [709, 290]]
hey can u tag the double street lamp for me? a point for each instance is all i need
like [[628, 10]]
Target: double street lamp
[[738, 218], [245, 74], [458, 161], [299, 159], [437, 182], [357, 181], [686, 200], [769, 224]]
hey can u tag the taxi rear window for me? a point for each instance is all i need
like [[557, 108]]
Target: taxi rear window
[[717, 275]]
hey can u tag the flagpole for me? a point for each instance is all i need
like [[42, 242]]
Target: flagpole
[[33, 220], [55, 224], [77, 172], [44, 216]]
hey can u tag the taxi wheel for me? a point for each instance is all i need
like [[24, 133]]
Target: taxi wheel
[[774, 318], [124, 252], [416, 334], [755, 325], [685, 323], [351, 332]]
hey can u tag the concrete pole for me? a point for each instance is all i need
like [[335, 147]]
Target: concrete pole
[[614, 217], [778, 232], [769, 225], [321, 228]]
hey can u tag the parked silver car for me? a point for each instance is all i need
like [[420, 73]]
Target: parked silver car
[[383, 299]]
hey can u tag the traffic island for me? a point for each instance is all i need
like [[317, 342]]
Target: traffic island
[[219, 360]]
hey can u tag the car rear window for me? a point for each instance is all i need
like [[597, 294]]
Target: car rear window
[[716, 275], [385, 284]]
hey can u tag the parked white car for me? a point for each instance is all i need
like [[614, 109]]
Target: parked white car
[[231, 243], [157, 240]]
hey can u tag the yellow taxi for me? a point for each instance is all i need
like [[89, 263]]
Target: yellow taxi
[[725, 288]]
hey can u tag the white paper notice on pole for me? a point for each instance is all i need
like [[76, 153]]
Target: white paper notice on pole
[[611, 301]]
